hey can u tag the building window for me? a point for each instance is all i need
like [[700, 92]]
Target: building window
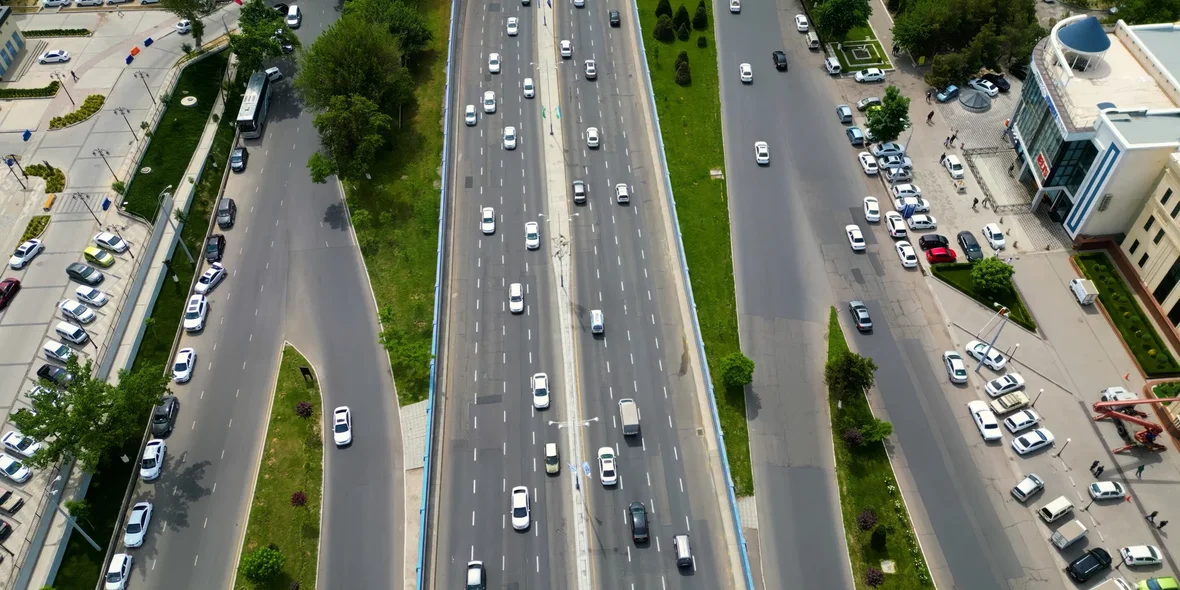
[[1167, 284], [1150, 222], [1158, 236], [1134, 246], [1167, 195], [1142, 261], [1174, 315], [1175, 210]]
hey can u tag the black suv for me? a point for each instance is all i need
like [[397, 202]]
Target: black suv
[[237, 160], [929, 241], [638, 522], [55, 375], [970, 246], [999, 81], [214, 248], [780, 60], [164, 416], [1090, 564], [614, 18], [227, 213]]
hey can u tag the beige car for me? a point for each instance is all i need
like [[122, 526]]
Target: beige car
[[552, 459]]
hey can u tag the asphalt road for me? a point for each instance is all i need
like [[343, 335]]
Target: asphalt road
[[296, 276], [622, 267], [799, 205], [493, 438]]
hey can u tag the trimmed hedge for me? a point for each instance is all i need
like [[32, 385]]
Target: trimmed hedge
[[90, 106], [55, 178], [43, 92], [56, 33], [35, 228]]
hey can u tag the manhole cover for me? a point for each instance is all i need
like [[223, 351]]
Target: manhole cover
[[188, 101], [145, 170]]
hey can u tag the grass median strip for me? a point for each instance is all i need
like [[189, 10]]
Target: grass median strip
[[285, 512], [876, 522], [690, 121], [958, 275]]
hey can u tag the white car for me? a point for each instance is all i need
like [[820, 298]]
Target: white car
[[510, 138], [906, 253], [592, 137], [512, 26], [994, 236], [137, 524], [520, 508], [984, 86], [516, 298], [746, 72], [532, 235], [72, 310], [591, 69], [567, 48], [110, 241], [872, 210], [489, 102], [54, 3], [994, 361], [487, 220], [984, 419], [182, 366], [607, 472], [801, 24], [530, 90], [13, 469], [855, 238], [118, 572], [735, 6], [1031, 484], [1006, 384], [956, 369], [342, 426], [761, 153], [901, 191], [469, 116], [921, 221], [91, 296], [494, 63], [56, 351], [1032, 441], [211, 278], [183, 27], [888, 148], [20, 444], [54, 56], [25, 253], [622, 193], [870, 75], [1106, 490], [195, 312], [1140, 555], [895, 225], [540, 391], [152, 464], [1022, 420], [953, 166], [920, 205], [895, 162], [867, 163]]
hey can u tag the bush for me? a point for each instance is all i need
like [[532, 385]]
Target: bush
[[663, 30], [42, 92], [119, 186], [877, 430], [55, 178], [681, 19], [683, 32], [262, 564], [56, 33], [702, 42], [683, 75], [90, 106], [299, 499], [874, 577], [866, 520], [737, 370], [664, 8], [853, 438], [35, 227], [700, 20], [992, 275], [681, 58], [303, 409]]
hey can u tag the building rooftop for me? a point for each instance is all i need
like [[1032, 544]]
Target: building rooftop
[[1163, 41], [1146, 127]]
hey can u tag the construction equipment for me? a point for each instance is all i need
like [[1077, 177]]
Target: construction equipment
[[1123, 412]]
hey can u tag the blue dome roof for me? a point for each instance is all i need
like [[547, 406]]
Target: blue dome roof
[[1084, 36]]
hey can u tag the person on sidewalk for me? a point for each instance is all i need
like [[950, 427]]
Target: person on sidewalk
[[1098, 473], [928, 96], [954, 136], [1161, 525], [1151, 517], [1093, 465], [946, 142], [930, 118], [1139, 472], [942, 158], [974, 205]]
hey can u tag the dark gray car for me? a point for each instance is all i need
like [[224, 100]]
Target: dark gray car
[[227, 213], [164, 416], [87, 275], [970, 246]]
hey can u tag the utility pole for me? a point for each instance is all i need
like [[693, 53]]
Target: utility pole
[[143, 76], [11, 159], [13, 172], [1003, 314], [167, 212], [103, 154], [124, 112], [82, 197], [60, 77]]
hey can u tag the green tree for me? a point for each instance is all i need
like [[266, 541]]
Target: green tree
[[683, 32], [836, 17], [877, 430], [263, 564], [917, 29], [402, 20], [737, 370], [664, 8], [352, 130], [191, 10], [683, 74], [849, 374], [1142, 12], [700, 19], [949, 68], [681, 19], [256, 40], [663, 30], [887, 122], [354, 57], [79, 509], [992, 275], [89, 418], [681, 57]]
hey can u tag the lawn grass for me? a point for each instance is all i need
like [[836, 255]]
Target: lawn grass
[[690, 121], [1166, 390], [81, 565], [958, 275], [1133, 325], [177, 135], [867, 483], [292, 462], [396, 217]]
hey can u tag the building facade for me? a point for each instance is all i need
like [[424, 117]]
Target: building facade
[[1152, 242], [11, 42]]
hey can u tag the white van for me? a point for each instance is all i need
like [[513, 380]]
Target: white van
[[1083, 290], [71, 332], [1055, 509], [683, 552], [294, 18], [813, 41], [832, 65], [597, 324], [1069, 533]]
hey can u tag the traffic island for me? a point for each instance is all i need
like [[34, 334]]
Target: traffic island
[[280, 549], [958, 275]]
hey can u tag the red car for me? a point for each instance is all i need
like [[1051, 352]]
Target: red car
[[8, 289], [937, 255]]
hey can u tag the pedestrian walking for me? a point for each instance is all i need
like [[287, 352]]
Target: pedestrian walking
[[975, 204], [954, 136], [946, 142], [1093, 465], [1151, 517], [942, 158], [1139, 472], [75, 76], [1098, 473], [928, 94], [1161, 525], [1011, 168], [930, 118]]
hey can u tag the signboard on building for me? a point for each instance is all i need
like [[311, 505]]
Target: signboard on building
[[1043, 165], [1048, 100]]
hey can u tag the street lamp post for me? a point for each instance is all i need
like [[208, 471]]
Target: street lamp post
[[573, 465], [60, 77], [168, 216], [124, 112], [82, 197], [103, 154], [13, 172], [1067, 441], [143, 76], [130, 252], [15, 159]]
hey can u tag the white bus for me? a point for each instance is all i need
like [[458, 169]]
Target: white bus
[[252, 115]]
